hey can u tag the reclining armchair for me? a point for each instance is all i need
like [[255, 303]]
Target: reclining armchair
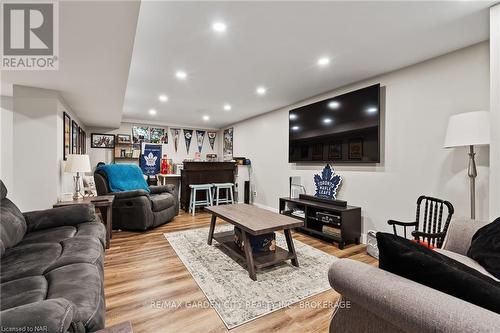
[[139, 210]]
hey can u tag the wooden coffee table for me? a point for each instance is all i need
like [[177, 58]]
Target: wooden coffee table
[[254, 221]]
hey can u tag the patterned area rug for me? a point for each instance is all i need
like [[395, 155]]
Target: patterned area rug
[[230, 291]]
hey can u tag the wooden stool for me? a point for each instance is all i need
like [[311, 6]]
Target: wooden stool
[[208, 196], [229, 193]]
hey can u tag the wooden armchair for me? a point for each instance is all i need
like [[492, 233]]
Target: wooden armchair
[[431, 230]]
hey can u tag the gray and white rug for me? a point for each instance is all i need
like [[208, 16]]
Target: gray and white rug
[[230, 291]]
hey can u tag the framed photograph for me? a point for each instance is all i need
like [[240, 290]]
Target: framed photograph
[[140, 134], [123, 138], [84, 142], [158, 135], [66, 135], [80, 140], [335, 151], [74, 137], [356, 149], [98, 140]]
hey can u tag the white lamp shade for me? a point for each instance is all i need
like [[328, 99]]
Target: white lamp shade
[[77, 163], [466, 129]]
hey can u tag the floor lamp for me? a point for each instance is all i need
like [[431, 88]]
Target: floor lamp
[[469, 129]]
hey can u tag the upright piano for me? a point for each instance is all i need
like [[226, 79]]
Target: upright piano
[[204, 173]]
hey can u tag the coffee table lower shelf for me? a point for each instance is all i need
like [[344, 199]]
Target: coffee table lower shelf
[[261, 259]]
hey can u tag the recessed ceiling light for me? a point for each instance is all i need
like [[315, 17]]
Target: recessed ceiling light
[[327, 120], [372, 109], [219, 26], [206, 118], [323, 61], [261, 90], [295, 128], [334, 105], [163, 98], [227, 107], [181, 75], [152, 112], [293, 116]]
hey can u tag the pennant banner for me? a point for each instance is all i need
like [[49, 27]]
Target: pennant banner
[[188, 135], [150, 159], [176, 132], [200, 137], [211, 138]]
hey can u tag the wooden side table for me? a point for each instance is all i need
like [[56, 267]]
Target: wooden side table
[[102, 202]]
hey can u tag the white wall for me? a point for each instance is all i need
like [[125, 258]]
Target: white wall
[[106, 155], [6, 141], [415, 110], [37, 135], [495, 111]]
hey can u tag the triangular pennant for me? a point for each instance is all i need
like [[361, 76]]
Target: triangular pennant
[[175, 136], [200, 137], [211, 138], [188, 135]]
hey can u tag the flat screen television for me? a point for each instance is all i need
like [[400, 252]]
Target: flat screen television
[[340, 129]]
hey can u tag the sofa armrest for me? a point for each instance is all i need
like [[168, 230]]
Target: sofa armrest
[[459, 236], [60, 216], [130, 194], [54, 315], [405, 304], [170, 188]]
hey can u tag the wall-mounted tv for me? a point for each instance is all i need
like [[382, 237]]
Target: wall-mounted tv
[[340, 129]]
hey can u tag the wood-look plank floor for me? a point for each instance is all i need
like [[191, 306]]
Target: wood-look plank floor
[[142, 268]]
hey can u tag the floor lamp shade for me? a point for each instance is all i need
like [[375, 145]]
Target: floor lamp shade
[[469, 129]]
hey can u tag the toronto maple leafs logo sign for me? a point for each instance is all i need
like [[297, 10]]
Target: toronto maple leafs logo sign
[[150, 159], [327, 184]]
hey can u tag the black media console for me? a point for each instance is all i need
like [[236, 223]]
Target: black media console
[[330, 220]]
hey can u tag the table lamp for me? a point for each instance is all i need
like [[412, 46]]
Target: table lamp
[[469, 129], [77, 163]]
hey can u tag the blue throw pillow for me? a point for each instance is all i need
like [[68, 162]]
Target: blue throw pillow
[[124, 177]]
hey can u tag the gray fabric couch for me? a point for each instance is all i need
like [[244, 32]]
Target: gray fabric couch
[[139, 210], [379, 301], [51, 269]]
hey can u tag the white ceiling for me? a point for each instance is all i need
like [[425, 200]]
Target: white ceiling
[[277, 44], [95, 47]]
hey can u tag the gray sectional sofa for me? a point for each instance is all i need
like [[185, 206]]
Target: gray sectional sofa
[[51, 270], [379, 301]]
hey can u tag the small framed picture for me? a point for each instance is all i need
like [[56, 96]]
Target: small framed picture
[[335, 151], [98, 140], [66, 136], [74, 137], [123, 138], [356, 149]]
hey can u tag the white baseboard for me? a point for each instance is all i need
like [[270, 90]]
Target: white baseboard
[[275, 210]]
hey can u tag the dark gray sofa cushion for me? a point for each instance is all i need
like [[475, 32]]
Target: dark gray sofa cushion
[[81, 284], [23, 291], [60, 216], [28, 260], [54, 315], [12, 224], [53, 235], [162, 201]]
